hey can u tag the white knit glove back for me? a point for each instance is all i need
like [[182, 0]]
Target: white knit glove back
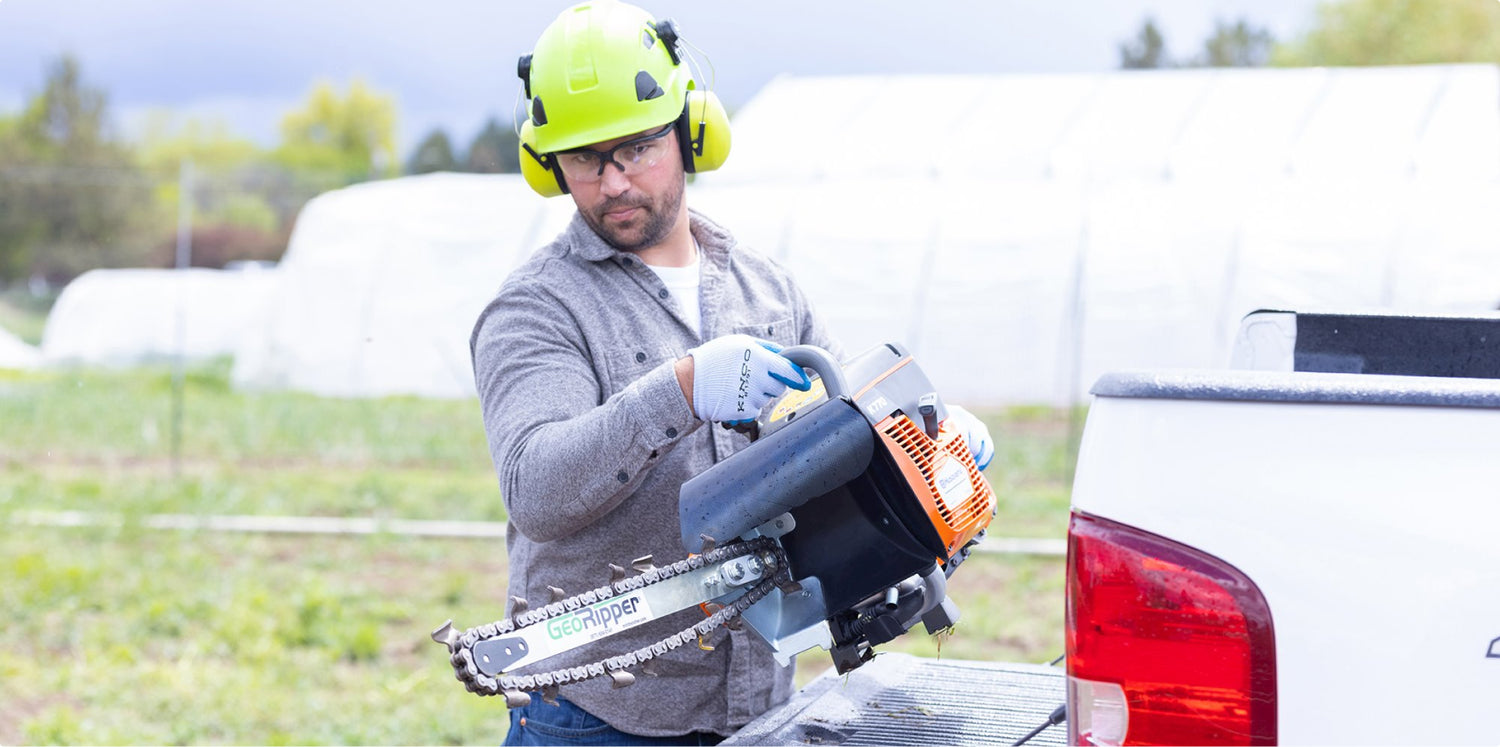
[[976, 434], [736, 375]]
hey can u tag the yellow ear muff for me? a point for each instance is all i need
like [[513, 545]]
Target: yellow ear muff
[[537, 168], [703, 131]]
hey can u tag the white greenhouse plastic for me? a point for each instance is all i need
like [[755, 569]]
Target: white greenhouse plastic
[[130, 316], [382, 282], [16, 354], [1020, 233], [1023, 234]]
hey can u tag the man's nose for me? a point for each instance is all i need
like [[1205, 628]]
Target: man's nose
[[613, 182]]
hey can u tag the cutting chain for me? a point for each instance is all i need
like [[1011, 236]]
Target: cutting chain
[[515, 687]]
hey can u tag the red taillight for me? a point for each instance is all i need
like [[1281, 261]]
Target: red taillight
[[1166, 645]]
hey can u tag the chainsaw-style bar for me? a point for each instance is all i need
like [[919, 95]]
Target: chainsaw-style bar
[[586, 623], [735, 577]]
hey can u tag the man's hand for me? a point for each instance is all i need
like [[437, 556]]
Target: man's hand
[[976, 434], [728, 379]]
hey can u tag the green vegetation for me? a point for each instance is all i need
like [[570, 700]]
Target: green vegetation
[[349, 134], [23, 314], [126, 637], [75, 196], [1397, 32], [129, 635], [1341, 33], [71, 197]]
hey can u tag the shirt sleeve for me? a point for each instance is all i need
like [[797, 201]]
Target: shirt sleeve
[[814, 331], [563, 458]]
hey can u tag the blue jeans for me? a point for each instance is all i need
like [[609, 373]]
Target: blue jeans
[[567, 724]]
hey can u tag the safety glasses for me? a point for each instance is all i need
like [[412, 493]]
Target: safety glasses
[[585, 166]]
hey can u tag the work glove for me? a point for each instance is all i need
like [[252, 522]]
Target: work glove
[[975, 433], [736, 375]]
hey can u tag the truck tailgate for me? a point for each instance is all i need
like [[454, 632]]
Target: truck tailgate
[[1365, 508]]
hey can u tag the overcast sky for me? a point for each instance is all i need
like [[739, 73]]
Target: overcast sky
[[451, 63]]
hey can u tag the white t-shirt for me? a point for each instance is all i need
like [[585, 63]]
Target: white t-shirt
[[683, 283]]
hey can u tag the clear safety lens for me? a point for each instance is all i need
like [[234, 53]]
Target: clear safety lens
[[632, 157]]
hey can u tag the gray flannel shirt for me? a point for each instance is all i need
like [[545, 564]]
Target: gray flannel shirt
[[592, 438]]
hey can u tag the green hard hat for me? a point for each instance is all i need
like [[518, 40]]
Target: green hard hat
[[604, 69]]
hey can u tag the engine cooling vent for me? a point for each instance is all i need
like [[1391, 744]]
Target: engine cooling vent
[[975, 501]]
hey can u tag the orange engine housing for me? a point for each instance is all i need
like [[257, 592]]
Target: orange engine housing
[[943, 476]]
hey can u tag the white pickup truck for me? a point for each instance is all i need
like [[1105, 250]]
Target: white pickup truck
[[1304, 549]]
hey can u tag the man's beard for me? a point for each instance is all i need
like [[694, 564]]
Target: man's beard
[[660, 219]]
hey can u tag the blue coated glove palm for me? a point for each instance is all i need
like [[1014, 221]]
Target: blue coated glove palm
[[734, 376], [976, 435]]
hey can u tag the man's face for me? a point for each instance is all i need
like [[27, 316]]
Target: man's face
[[633, 211]]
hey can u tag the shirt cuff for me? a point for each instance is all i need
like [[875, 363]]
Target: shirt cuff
[[660, 409]]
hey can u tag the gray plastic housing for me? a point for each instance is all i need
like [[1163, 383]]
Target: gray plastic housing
[[822, 449]]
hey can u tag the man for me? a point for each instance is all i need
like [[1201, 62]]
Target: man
[[604, 359]]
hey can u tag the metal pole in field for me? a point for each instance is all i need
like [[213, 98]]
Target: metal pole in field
[[184, 260]]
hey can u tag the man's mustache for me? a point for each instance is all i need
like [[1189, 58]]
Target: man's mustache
[[623, 201]]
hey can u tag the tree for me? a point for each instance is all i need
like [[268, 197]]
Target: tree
[[71, 197], [347, 138], [495, 150], [434, 154], [1397, 32], [233, 214], [1236, 45], [166, 142], [1147, 50]]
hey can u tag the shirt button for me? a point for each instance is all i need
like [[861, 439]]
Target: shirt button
[[622, 477], [640, 357], [671, 433], [662, 293], [653, 454], [770, 330]]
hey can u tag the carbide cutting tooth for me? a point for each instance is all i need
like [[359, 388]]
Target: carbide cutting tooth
[[616, 573], [649, 668], [555, 595], [620, 678], [549, 695], [643, 564], [516, 699], [518, 605], [445, 634], [708, 544], [703, 645], [735, 623]]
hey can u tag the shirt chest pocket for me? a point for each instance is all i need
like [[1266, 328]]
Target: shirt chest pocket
[[780, 330], [626, 363]]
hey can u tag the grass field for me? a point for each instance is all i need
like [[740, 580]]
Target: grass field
[[128, 635]]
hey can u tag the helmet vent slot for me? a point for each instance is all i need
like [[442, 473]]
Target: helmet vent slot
[[646, 87]]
